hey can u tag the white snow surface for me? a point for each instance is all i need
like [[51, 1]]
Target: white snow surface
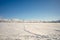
[[13, 31]]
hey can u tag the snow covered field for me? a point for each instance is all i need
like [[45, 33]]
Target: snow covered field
[[29, 31]]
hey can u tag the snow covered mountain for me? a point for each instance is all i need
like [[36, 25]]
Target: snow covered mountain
[[27, 21]]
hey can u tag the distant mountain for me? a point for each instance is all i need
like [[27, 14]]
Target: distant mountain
[[27, 21], [57, 21]]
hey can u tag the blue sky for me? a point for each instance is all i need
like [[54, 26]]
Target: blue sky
[[30, 9]]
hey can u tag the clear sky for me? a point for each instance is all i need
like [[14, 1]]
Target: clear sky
[[30, 9]]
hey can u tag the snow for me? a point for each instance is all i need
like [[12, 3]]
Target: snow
[[29, 31]]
